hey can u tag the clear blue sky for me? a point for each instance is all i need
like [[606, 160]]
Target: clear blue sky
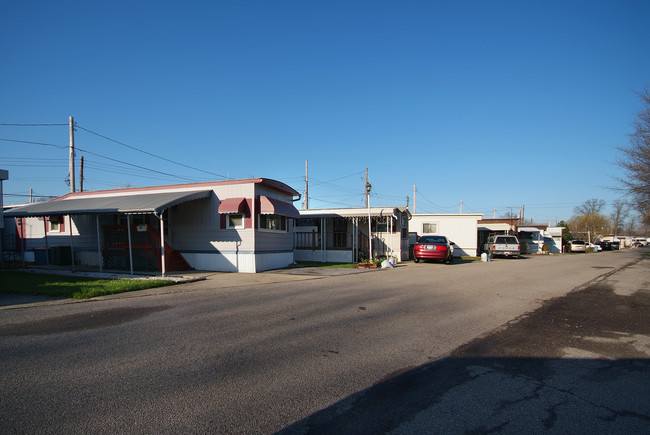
[[495, 103]]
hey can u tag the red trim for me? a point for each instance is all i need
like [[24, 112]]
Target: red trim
[[234, 205], [275, 206], [249, 218], [277, 185]]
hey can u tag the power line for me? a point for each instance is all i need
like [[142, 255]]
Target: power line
[[136, 166], [31, 125], [148, 153], [35, 143]]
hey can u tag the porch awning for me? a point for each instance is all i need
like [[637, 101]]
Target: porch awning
[[233, 205], [275, 206], [132, 204]]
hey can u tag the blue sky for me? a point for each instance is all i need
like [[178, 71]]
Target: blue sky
[[497, 104]]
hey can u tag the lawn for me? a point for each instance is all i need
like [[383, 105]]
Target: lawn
[[13, 281], [319, 264]]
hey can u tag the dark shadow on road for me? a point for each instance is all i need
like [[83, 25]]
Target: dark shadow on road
[[484, 395], [578, 364]]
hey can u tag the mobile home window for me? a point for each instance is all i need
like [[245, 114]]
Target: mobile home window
[[235, 220], [429, 228], [273, 222], [55, 224]]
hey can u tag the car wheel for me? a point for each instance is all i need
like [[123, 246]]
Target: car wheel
[[415, 259]]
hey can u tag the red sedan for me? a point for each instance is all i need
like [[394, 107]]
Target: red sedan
[[433, 248]]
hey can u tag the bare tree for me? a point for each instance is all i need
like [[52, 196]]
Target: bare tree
[[636, 160], [618, 216], [590, 206], [591, 226]]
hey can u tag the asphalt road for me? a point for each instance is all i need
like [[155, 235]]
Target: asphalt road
[[540, 344]]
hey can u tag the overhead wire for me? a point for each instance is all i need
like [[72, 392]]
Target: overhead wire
[[32, 125], [148, 153], [135, 166], [34, 143]]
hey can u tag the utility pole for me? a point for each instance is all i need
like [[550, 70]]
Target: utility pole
[[407, 201], [461, 206], [414, 198], [305, 203], [81, 174], [368, 187], [71, 157]]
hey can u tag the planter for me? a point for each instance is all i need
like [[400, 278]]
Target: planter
[[366, 266]]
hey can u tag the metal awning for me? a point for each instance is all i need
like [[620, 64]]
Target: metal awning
[[131, 204], [275, 206], [233, 205], [360, 212]]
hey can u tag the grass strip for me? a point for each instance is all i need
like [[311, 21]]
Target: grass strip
[[13, 281], [319, 264]]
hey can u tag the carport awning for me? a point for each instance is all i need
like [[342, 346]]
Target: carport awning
[[132, 204], [275, 206]]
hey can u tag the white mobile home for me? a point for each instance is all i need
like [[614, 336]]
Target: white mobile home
[[341, 235], [233, 225], [458, 228]]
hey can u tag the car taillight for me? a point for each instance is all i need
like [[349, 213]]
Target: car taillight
[[518, 247], [494, 246]]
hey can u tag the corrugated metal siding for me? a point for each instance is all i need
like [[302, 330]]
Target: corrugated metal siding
[[196, 226]]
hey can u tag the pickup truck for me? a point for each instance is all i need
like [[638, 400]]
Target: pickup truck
[[507, 246]]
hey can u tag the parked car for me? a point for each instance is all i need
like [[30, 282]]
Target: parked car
[[577, 246], [605, 245], [616, 245], [433, 248], [507, 246]]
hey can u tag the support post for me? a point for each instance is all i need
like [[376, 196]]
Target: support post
[[47, 250], [128, 232], [71, 242], [162, 245], [99, 246]]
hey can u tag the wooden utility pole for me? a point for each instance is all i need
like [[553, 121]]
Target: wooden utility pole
[[81, 174], [71, 157], [461, 206], [366, 186], [414, 199], [305, 203]]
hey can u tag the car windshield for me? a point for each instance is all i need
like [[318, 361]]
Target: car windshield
[[433, 239], [507, 240], [578, 242]]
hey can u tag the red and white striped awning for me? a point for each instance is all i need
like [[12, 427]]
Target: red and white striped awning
[[275, 206]]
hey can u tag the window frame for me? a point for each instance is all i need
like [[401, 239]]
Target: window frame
[[55, 224], [284, 221], [241, 226], [430, 223]]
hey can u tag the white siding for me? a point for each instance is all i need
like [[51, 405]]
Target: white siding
[[458, 228]]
